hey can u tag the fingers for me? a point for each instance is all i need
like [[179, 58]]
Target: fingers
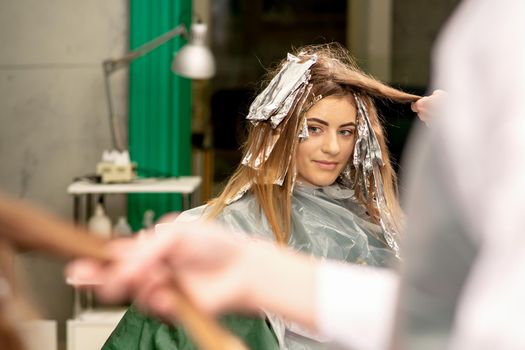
[[84, 272], [135, 262], [114, 281], [156, 294], [163, 303], [421, 104], [414, 107], [427, 106], [202, 258]]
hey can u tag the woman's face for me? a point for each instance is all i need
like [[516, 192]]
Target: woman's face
[[331, 127]]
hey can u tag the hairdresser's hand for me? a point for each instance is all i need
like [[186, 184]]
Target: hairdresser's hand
[[427, 106], [88, 273], [211, 266]]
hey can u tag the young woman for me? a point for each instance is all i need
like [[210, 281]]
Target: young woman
[[316, 175]]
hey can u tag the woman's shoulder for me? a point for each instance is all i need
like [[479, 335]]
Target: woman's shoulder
[[245, 214], [200, 211], [241, 215], [237, 208], [193, 214]]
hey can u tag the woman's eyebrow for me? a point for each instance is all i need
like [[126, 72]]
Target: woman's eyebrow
[[320, 121]]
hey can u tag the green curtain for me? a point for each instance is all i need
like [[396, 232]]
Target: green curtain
[[159, 105]]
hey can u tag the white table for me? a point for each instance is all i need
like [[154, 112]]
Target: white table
[[185, 185]]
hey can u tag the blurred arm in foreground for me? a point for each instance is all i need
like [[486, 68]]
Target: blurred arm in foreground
[[220, 272]]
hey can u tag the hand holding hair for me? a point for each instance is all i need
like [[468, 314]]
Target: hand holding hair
[[426, 107], [219, 270]]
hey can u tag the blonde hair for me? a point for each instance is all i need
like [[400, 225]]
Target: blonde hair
[[334, 74]]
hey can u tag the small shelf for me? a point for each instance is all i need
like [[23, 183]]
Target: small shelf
[[183, 185]]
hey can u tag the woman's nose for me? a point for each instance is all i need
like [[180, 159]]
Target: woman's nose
[[331, 145]]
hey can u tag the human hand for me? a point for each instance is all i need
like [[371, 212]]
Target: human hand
[[205, 262], [223, 271], [427, 106]]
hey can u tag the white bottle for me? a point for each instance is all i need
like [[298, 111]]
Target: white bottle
[[122, 227], [148, 219], [99, 223]]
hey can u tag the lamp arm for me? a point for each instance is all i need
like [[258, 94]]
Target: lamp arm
[[116, 140], [111, 65]]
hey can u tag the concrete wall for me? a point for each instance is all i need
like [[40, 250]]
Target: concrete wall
[[369, 32], [53, 117]]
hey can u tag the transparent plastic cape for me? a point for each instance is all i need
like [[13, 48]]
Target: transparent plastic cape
[[327, 222]]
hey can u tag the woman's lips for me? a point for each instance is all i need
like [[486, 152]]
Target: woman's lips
[[325, 164]]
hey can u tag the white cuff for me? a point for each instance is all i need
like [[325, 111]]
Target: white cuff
[[355, 304]]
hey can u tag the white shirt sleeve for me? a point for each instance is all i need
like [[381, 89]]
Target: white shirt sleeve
[[355, 305]]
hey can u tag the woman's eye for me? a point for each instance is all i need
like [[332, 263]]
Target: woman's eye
[[314, 129], [347, 132]]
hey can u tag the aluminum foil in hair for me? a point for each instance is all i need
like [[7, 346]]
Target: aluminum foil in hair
[[256, 160], [368, 161], [286, 92], [385, 216], [303, 134], [239, 194], [279, 97]]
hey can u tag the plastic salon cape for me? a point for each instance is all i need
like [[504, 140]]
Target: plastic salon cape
[[326, 222]]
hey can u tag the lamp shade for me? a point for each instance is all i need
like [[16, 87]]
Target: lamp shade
[[195, 60]]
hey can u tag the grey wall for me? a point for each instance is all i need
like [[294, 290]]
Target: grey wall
[[53, 119], [369, 32]]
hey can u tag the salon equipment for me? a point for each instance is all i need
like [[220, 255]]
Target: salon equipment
[[122, 227], [99, 223], [194, 61], [116, 167], [148, 220], [83, 192]]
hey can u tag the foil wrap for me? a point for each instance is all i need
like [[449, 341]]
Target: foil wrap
[[368, 161], [278, 98]]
